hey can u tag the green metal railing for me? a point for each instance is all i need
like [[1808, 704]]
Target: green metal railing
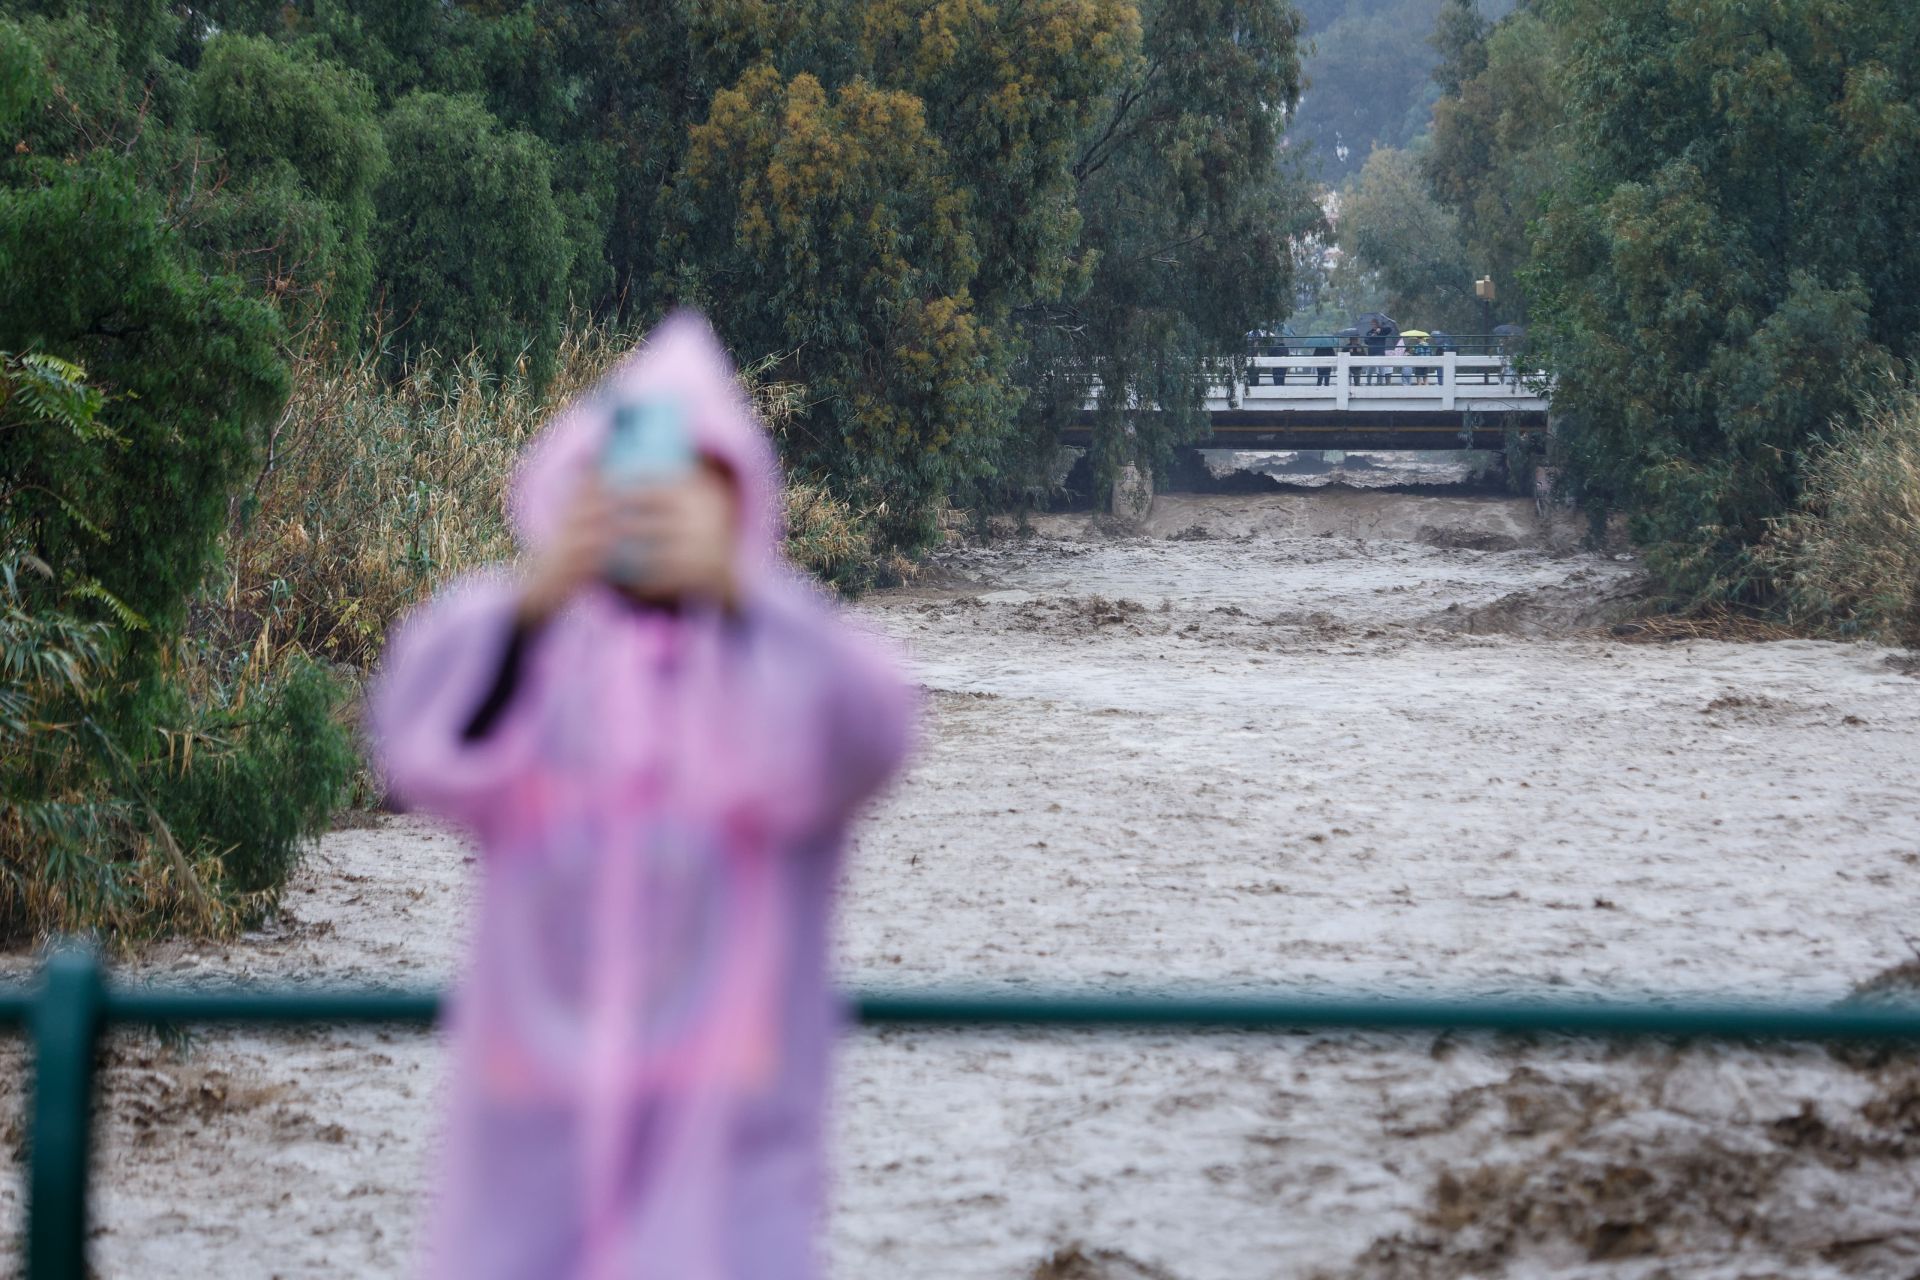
[[73, 1004]]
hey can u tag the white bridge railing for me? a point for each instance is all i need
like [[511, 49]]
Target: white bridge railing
[[1375, 384]]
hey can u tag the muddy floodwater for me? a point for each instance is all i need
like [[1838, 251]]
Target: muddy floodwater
[[1336, 740]]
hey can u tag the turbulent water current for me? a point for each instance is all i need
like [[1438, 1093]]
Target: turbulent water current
[[1332, 740]]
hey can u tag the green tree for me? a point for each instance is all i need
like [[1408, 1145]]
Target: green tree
[[1725, 265], [1189, 227], [1497, 148], [829, 226], [471, 246], [1395, 232], [302, 151]]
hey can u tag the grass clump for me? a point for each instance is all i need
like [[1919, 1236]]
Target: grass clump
[[834, 541], [1848, 561], [376, 491]]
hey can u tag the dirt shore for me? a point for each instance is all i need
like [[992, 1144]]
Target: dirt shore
[[1330, 741]]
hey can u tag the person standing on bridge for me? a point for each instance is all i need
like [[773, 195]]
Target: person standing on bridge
[[658, 737], [1378, 336], [1422, 346]]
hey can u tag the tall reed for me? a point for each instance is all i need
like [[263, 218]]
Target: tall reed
[[1849, 560], [375, 491]]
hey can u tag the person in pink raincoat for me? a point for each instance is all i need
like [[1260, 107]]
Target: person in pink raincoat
[[660, 777]]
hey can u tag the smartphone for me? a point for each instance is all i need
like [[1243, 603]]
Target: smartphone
[[648, 442]]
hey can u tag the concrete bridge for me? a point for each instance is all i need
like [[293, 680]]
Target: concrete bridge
[[1451, 401]]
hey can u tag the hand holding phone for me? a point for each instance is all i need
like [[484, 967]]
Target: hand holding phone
[[575, 556]]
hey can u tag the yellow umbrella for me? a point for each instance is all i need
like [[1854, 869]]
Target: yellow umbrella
[[1415, 333]]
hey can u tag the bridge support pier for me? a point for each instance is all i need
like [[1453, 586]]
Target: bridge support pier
[[1132, 496]]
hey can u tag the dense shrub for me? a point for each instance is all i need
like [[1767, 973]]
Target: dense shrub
[[101, 831], [471, 246], [141, 383], [144, 793], [256, 762], [834, 541]]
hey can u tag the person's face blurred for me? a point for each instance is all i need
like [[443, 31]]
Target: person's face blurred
[[692, 531]]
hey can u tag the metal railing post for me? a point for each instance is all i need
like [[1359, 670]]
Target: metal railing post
[[65, 1024]]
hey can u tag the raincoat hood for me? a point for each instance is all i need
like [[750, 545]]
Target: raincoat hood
[[681, 360]]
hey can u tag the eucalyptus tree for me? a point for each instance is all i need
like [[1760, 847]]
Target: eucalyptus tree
[[877, 220], [1393, 229], [1497, 142], [1189, 219]]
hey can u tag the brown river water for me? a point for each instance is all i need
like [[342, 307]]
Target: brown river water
[[1339, 740]]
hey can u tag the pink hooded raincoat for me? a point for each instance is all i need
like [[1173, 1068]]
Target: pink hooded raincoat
[[641, 1038]]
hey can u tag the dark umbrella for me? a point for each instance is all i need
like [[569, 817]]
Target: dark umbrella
[[1381, 316], [1348, 333], [1509, 330]]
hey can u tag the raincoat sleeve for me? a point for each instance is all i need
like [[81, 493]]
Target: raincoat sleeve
[[869, 721], [439, 670]]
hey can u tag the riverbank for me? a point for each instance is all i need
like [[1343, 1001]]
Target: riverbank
[[1329, 740]]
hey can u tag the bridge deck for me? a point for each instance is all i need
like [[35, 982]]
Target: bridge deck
[[1380, 385], [1369, 402]]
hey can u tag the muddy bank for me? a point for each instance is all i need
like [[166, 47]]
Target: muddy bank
[[1331, 740]]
